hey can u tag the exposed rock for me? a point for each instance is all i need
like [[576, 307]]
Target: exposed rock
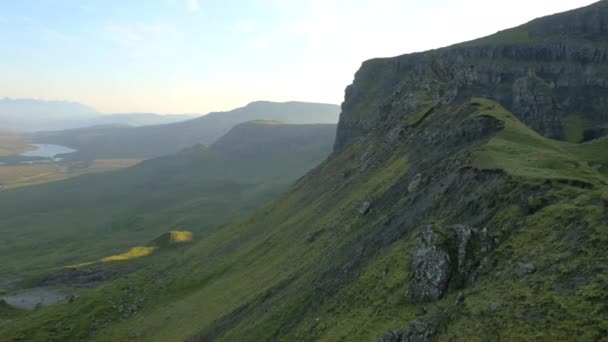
[[421, 311], [462, 235], [415, 183], [391, 336], [312, 236], [540, 83], [495, 307], [431, 266], [461, 298], [419, 330], [365, 207], [525, 269], [447, 259]]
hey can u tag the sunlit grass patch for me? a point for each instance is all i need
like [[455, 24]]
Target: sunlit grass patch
[[180, 236], [133, 253]]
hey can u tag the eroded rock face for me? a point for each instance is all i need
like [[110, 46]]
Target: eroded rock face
[[541, 80], [446, 258], [418, 330], [431, 266]]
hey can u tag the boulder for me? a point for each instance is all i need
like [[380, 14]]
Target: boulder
[[391, 336], [431, 265], [446, 258], [365, 207], [525, 269], [419, 330], [415, 183]]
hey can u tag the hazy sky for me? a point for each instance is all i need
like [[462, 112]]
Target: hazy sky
[[180, 56]]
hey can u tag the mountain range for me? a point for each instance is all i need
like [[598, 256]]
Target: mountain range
[[157, 140], [28, 115]]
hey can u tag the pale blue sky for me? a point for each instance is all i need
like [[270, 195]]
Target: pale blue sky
[[185, 56]]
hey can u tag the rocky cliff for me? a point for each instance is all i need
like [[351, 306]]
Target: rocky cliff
[[552, 73]]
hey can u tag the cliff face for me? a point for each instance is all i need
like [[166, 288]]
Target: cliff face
[[552, 73]]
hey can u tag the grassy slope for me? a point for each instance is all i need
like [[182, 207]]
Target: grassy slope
[[199, 189], [260, 279], [12, 143]]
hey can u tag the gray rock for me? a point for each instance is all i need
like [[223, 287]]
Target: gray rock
[[525, 269], [415, 183], [463, 237], [365, 207], [461, 298], [419, 330], [431, 266], [495, 307], [421, 311], [391, 336], [312, 236]]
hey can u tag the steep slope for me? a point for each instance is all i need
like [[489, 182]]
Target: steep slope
[[198, 189], [441, 215], [158, 140], [550, 72]]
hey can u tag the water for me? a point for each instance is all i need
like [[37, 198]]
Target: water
[[47, 151]]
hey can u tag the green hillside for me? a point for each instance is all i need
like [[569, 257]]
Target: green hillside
[[198, 189]]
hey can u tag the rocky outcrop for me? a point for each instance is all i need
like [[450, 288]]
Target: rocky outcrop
[[418, 330], [446, 258], [431, 266], [543, 72]]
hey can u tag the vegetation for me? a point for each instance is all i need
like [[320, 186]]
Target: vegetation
[[13, 176], [12, 143], [522, 152], [93, 216]]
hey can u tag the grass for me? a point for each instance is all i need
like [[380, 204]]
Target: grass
[[573, 128], [419, 115], [14, 176], [13, 143], [521, 152], [95, 215]]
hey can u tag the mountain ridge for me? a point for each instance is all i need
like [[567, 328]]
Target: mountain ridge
[[157, 140]]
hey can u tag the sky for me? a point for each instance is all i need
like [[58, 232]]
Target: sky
[[197, 56]]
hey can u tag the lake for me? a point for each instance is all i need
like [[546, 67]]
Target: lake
[[47, 151]]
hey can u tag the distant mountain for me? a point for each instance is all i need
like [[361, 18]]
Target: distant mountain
[[31, 115], [139, 119], [196, 189], [41, 115], [158, 140]]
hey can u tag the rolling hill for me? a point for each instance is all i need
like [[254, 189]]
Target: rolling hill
[[199, 189], [157, 140]]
